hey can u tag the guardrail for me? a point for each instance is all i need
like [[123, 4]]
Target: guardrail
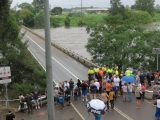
[[42, 100], [72, 54]]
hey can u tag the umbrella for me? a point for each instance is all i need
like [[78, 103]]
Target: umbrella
[[96, 106], [107, 79], [128, 79]]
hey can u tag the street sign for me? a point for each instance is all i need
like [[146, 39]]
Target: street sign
[[156, 51], [5, 74], [4, 81]]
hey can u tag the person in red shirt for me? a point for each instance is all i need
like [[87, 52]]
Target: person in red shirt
[[143, 88], [100, 74]]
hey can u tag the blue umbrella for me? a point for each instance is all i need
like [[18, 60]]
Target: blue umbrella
[[130, 79], [107, 79]]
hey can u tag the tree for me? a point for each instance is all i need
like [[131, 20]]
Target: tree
[[56, 11], [116, 7], [14, 52], [31, 15], [26, 13], [38, 4], [144, 5], [124, 42], [67, 22]]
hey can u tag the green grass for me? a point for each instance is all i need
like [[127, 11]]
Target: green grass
[[91, 19], [88, 19], [156, 17]]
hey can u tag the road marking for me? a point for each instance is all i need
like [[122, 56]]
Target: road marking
[[77, 112], [62, 66], [53, 58], [119, 111], [123, 114], [37, 59]]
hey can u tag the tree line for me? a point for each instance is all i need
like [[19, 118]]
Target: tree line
[[124, 38], [26, 74]]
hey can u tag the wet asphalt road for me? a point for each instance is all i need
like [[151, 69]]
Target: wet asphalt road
[[65, 68]]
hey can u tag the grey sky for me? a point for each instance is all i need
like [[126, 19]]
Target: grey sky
[[76, 3]]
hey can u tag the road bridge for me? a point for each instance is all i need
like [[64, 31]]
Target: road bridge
[[65, 67]]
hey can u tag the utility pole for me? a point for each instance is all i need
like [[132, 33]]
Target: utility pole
[[157, 63], [81, 8], [50, 100]]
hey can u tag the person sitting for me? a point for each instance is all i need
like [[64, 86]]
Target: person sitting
[[10, 116]]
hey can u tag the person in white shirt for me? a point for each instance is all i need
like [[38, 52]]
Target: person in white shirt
[[66, 85], [96, 83], [130, 89], [125, 91], [116, 81]]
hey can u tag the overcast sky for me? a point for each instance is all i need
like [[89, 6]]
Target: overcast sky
[[77, 3]]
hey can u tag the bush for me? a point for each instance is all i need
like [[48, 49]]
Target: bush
[[23, 87], [67, 22]]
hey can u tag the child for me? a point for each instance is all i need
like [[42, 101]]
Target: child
[[104, 97], [138, 97], [111, 98]]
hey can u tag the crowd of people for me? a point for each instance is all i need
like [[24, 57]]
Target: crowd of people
[[107, 80], [29, 101], [104, 83]]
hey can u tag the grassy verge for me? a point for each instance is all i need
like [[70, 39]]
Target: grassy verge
[[88, 19]]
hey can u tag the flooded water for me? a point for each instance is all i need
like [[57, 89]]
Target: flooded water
[[74, 39]]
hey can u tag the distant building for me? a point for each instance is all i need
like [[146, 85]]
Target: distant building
[[89, 10], [97, 10]]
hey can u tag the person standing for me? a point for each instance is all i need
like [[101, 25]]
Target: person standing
[[36, 101], [68, 96], [10, 116], [116, 81], [130, 89], [93, 90], [91, 73], [108, 87], [79, 87], [125, 92], [105, 98], [71, 84], [84, 89], [138, 97], [98, 117], [21, 99], [28, 100], [110, 71], [97, 84], [157, 113], [143, 88], [111, 98], [104, 69]]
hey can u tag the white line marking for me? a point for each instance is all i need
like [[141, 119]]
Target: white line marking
[[37, 59], [119, 111], [63, 67], [77, 112], [123, 114], [53, 58]]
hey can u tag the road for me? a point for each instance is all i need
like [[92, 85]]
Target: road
[[64, 68]]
